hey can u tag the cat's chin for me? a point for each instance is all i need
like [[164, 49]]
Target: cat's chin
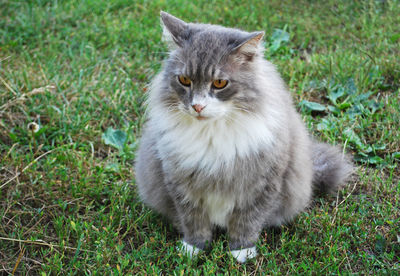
[[201, 118]]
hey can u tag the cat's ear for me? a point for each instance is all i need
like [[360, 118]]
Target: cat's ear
[[174, 29], [249, 46]]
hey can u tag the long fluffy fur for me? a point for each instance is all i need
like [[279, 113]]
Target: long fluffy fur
[[250, 164], [331, 168]]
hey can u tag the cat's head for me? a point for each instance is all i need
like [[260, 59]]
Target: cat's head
[[212, 70]]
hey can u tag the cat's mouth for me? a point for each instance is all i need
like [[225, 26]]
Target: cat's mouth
[[200, 118]]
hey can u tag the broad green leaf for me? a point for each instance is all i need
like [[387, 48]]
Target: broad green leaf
[[396, 154], [278, 38], [335, 94], [375, 106], [356, 109], [114, 137], [313, 106], [351, 87], [334, 109], [375, 160], [362, 97], [379, 146]]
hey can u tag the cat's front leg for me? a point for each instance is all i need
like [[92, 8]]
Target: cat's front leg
[[196, 229], [259, 208], [247, 221], [244, 229]]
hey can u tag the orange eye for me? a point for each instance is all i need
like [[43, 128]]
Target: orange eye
[[219, 84], [184, 80]]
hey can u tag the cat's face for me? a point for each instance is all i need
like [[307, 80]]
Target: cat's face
[[202, 95], [210, 70]]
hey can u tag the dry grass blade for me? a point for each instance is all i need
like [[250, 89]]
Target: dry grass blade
[[18, 260], [338, 204], [24, 169], [23, 97], [30, 164], [8, 86], [43, 243]]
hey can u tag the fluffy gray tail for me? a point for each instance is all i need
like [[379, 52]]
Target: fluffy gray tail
[[331, 168]]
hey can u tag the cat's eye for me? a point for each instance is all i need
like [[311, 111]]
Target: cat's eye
[[219, 84], [185, 81]]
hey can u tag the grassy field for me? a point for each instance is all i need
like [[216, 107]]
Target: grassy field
[[79, 70]]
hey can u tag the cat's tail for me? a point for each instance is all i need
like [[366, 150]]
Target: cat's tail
[[332, 168]]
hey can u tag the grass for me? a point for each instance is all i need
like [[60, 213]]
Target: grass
[[79, 69]]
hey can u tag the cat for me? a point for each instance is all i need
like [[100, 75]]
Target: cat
[[223, 145]]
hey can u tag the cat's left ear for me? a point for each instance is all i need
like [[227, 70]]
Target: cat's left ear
[[250, 46], [174, 29]]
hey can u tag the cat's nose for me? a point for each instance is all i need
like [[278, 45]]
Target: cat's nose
[[198, 108]]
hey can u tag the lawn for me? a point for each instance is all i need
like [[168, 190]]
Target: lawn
[[79, 71]]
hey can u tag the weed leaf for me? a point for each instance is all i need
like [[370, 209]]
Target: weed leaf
[[335, 94], [312, 106], [278, 38], [115, 138]]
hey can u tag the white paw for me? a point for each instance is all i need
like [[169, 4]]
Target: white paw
[[243, 255], [188, 249]]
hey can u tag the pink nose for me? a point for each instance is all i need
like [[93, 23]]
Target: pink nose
[[198, 108]]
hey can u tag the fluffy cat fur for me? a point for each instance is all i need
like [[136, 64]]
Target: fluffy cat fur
[[245, 161]]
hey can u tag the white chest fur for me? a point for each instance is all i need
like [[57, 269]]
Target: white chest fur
[[218, 208], [214, 145]]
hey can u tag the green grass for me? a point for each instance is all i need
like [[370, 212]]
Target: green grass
[[68, 202]]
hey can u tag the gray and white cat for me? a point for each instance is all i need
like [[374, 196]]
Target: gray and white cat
[[223, 145]]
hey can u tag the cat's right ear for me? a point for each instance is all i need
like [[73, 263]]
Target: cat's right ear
[[174, 30], [249, 47]]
